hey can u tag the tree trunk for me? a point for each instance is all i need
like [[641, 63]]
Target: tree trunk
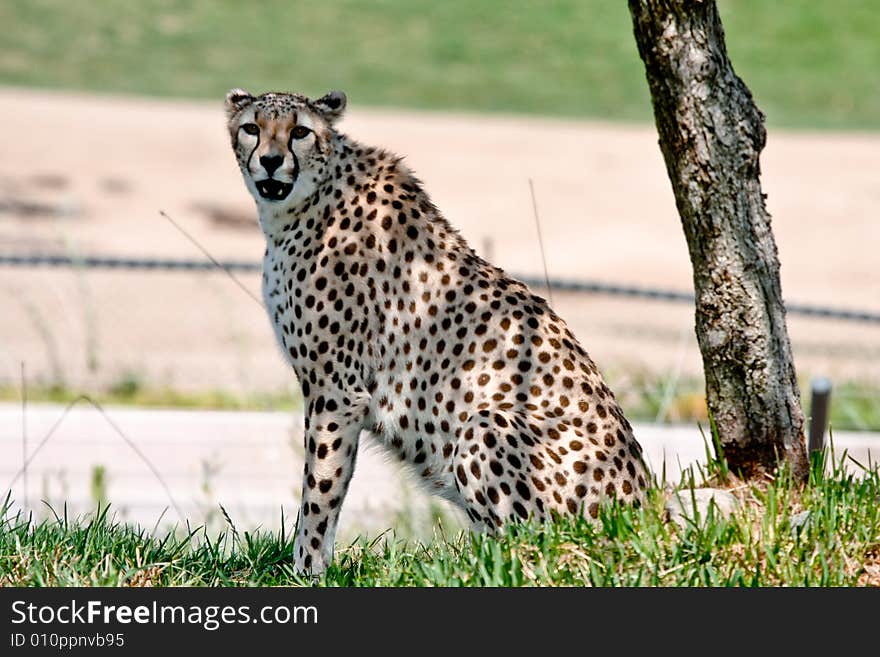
[[711, 136]]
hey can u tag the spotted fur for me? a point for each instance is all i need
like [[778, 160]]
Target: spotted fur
[[395, 327]]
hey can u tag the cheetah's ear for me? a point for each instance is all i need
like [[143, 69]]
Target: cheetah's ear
[[237, 100], [331, 105]]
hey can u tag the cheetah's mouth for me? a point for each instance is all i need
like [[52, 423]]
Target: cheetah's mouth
[[273, 190]]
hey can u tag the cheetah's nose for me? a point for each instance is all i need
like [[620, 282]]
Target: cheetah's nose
[[271, 163]]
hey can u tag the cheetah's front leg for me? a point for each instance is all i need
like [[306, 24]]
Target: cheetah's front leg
[[331, 442]]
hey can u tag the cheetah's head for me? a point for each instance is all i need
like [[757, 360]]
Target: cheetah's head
[[282, 142]]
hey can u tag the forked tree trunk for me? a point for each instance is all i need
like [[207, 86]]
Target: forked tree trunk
[[711, 136]]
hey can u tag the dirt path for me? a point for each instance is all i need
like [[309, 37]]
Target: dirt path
[[89, 174], [251, 464]]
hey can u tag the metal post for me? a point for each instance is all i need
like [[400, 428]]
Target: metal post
[[821, 398]]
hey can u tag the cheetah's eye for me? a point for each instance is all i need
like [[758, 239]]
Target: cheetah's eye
[[251, 128], [299, 132]]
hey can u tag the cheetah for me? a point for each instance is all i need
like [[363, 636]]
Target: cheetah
[[396, 328]]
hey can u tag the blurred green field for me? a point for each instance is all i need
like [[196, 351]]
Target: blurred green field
[[809, 63]]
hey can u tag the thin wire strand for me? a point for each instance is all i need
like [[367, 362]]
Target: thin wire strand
[[115, 428], [541, 242], [561, 284], [216, 262], [24, 458]]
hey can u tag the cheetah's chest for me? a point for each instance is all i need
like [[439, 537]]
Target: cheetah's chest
[[279, 305]]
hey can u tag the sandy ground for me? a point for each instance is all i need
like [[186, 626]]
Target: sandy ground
[[84, 174], [251, 464]]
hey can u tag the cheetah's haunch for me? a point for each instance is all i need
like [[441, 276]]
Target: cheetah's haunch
[[396, 327]]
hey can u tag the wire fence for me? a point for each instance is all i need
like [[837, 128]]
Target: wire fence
[[562, 285]]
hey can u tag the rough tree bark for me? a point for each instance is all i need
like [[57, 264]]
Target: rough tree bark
[[711, 135]]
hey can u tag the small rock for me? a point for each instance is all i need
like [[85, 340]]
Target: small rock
[[688, 504]]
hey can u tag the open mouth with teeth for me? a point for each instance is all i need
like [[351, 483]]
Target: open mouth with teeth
[[273, 190]]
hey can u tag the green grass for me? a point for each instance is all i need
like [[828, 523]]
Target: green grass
[[826, 533], [810, 64], [649, 397], [130, 392], [855, 405]]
